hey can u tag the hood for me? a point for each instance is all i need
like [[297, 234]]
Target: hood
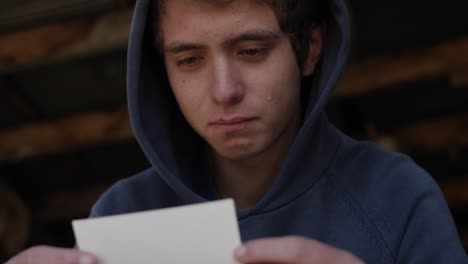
[[172, 146]]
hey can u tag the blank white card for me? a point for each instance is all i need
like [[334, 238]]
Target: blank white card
[[201, 233]]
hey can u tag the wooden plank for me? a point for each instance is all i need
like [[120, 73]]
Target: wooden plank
[[23, 13], [64, 135], [67, 205], [59, 41], [456, 192], [444, 134], [460, 78], [10, 97], [450, 58], [448, 134], [14, 220]]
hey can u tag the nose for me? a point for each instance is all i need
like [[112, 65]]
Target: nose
[[228, 88]]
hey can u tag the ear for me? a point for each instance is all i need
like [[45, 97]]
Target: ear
[[317, 39]]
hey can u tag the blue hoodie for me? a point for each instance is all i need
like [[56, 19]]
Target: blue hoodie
[[351, 195]]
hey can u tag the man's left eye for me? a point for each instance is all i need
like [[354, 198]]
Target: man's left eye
[[252, 52]]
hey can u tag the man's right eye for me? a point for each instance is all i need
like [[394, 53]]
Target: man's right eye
[[188, 61]]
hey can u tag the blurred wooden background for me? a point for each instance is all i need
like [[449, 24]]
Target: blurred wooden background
[[65, 134]]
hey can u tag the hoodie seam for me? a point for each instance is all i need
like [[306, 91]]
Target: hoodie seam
[[322, 175], [349, 199]]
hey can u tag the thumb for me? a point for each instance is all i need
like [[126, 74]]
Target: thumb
[[52, 255]]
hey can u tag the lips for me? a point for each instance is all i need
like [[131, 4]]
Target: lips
[[232, 121], [232, 124]]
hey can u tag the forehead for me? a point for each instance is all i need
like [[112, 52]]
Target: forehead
[[208, 19], [216, 4]]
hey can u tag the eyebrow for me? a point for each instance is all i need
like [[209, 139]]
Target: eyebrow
[[252, 35], [182, 46]]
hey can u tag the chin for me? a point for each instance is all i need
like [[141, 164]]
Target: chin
[[236, 156], [238, 153], [238, 149]]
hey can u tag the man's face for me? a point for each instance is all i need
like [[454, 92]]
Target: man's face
[[234, 74]]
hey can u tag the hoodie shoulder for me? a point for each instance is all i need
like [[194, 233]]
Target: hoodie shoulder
[[401, 200], [143, 191]]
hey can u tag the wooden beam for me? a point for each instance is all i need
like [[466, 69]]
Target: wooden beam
[[67, 205], [10, 97], [14, 220], [450, 58], [64, 135], [448, 134], [20, 14], [444, 134], [460, 78], [59, 41], [456, 192]]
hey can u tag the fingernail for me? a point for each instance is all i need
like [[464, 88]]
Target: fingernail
[[240, 251], [86, 260]]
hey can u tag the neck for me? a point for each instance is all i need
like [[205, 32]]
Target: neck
[[248, 180]]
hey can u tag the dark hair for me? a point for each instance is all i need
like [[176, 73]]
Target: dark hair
[[295, 17]]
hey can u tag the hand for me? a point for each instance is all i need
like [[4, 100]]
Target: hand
[[292, 250], [50, 255]]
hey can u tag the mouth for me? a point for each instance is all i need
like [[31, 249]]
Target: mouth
[[232, 124]]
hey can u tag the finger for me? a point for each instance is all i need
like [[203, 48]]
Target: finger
[[274, 250], [51, 255]]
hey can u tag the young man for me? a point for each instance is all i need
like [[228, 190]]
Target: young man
[[226, 100]]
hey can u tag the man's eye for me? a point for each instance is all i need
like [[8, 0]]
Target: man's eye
[[257, 54], [252, 52], [188, 61]]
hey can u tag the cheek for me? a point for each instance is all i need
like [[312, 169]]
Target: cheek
[[277, 85], [190, 99], [188, 88], [186, 99], [180, 88], [281, 94]]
